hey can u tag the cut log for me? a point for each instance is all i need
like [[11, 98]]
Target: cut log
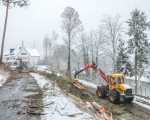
[[78, 86], [82, 87], [98, 107]]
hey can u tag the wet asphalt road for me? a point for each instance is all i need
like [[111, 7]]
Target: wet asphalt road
[[13, 103]]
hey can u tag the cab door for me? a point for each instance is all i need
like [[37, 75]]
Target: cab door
[[114, 83], [110, 83]]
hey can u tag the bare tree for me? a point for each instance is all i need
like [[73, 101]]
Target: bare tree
[[9, 3], [51, 44], [70, 25], [85, 50], [92, 40], [45, 46], [100, 37], [113, 30]]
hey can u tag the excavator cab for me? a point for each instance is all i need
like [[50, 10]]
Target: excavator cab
[[115, 81], [118, 90]]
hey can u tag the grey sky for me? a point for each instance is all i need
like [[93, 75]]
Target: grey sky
[[43, 16]]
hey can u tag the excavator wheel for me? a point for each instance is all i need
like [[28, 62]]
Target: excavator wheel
[[129, 100], [114, 96], [101, 92]]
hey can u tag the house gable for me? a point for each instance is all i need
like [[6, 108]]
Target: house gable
[[23, 54]]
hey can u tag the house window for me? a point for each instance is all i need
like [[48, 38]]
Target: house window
[[23, 53]]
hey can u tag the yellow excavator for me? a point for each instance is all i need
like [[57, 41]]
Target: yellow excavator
[[115, 90]]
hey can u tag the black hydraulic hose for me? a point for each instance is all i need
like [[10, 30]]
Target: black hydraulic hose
[[77, 73], [100, 70]]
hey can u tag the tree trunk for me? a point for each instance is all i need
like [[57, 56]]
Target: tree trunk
[[4, 33], [84, 55], [135, 70], [97, 57], [69, 70], [87, 63]]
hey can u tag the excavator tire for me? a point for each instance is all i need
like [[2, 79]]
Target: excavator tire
[[129, 100], [101, 92], [114, 96]]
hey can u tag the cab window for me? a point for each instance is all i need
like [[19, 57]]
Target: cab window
[[114, 81], [110, 80], [120, 80]]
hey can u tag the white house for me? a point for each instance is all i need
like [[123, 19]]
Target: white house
[[29, 57]]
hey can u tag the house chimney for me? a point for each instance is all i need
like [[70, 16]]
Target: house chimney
[[22, 44]]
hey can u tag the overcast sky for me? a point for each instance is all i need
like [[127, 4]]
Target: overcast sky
[[43, 16]]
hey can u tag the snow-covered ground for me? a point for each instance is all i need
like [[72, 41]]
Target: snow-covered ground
[[43, 68], [2, 80], [58, 105], [3, 76], [142, 102], [88, 84]]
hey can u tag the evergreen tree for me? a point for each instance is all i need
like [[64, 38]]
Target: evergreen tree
[[138, 42], [123, 65]]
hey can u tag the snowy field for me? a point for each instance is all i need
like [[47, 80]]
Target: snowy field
[[58, 105]]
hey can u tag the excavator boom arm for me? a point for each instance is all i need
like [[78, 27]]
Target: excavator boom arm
[[93, 66]]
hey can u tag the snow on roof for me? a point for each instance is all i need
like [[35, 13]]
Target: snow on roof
[[33, 52], [14, 53]]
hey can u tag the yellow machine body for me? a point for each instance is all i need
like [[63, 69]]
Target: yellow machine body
[[117, 82]]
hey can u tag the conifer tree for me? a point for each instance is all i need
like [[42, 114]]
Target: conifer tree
[[138, 43], [123, 65]]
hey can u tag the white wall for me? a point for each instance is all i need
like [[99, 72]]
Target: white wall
[[34, 61], [24, 57]]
